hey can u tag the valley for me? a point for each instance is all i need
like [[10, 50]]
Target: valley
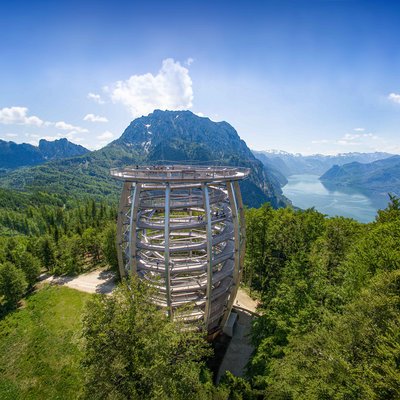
[[353, 185]]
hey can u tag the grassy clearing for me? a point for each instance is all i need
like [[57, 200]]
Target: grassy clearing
[[39, 346]]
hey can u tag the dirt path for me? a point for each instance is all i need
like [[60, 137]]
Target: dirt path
[[98, 281], [103, 281]]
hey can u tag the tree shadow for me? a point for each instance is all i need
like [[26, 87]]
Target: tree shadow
[[61, 280], [6, 309], [109, 281]]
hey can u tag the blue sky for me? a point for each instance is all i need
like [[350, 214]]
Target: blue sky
[[302, 76]]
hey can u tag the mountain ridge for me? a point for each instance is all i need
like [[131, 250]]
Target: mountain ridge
[[198, 139], [13, 155], [317, 164], [161, 136], [378, 176]]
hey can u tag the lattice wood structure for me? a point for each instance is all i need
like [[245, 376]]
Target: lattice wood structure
[[182, 229]]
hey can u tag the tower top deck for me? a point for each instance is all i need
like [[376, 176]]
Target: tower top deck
[[179, 173]]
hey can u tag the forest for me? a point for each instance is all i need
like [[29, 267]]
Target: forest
[[329, 292]]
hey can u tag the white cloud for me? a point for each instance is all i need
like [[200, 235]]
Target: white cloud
[[96, 98], [170, 89], [11, 135], [394, 97], [364, 141], [105, 136], [94, 118], [51, 138], [68, 127], [189, 61], [321, 141], [346, 142], [18, 115], [34, 138], [359, 129], [352, 136], [103, 139]]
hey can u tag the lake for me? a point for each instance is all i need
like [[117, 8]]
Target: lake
[[306, 191]]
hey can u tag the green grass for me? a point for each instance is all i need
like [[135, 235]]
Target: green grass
[[40, 346]]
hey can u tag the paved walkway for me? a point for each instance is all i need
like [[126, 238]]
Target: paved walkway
[[240, 349], [243, 300]]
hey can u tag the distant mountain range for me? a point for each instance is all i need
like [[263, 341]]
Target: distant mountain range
[[382, 176], [13, 155], [160, 137], [293, 164]]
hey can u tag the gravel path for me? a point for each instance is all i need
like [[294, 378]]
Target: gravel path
[[103, 281], [98, 281]]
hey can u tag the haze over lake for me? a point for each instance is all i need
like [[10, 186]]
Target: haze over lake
[[307, 191]]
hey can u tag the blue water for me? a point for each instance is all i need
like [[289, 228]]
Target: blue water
[[306, 191]]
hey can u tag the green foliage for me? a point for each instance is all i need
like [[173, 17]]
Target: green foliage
[[40, 349], [12, 283], [353, 355], [59, 238], [132, 350], [236, 388], [92, 244], [70, 259], [47, 252], [108, 245], [392, 212], [376, 251], [30, 265], [329, 327]]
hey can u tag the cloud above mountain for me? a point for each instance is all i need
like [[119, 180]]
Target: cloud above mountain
[[35, 128], [170, 89], [96, 98], [19, 116], [94, 118], [395, 97]]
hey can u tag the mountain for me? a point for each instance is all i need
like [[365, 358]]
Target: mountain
[[181, 136], [13, 155], [160, 137], [317, 164], [275, 165], [60, 148], [381, 176]]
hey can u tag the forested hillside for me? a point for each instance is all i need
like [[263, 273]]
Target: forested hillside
[[40, 233], [328, 287], [329, 290], [330, 301]]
